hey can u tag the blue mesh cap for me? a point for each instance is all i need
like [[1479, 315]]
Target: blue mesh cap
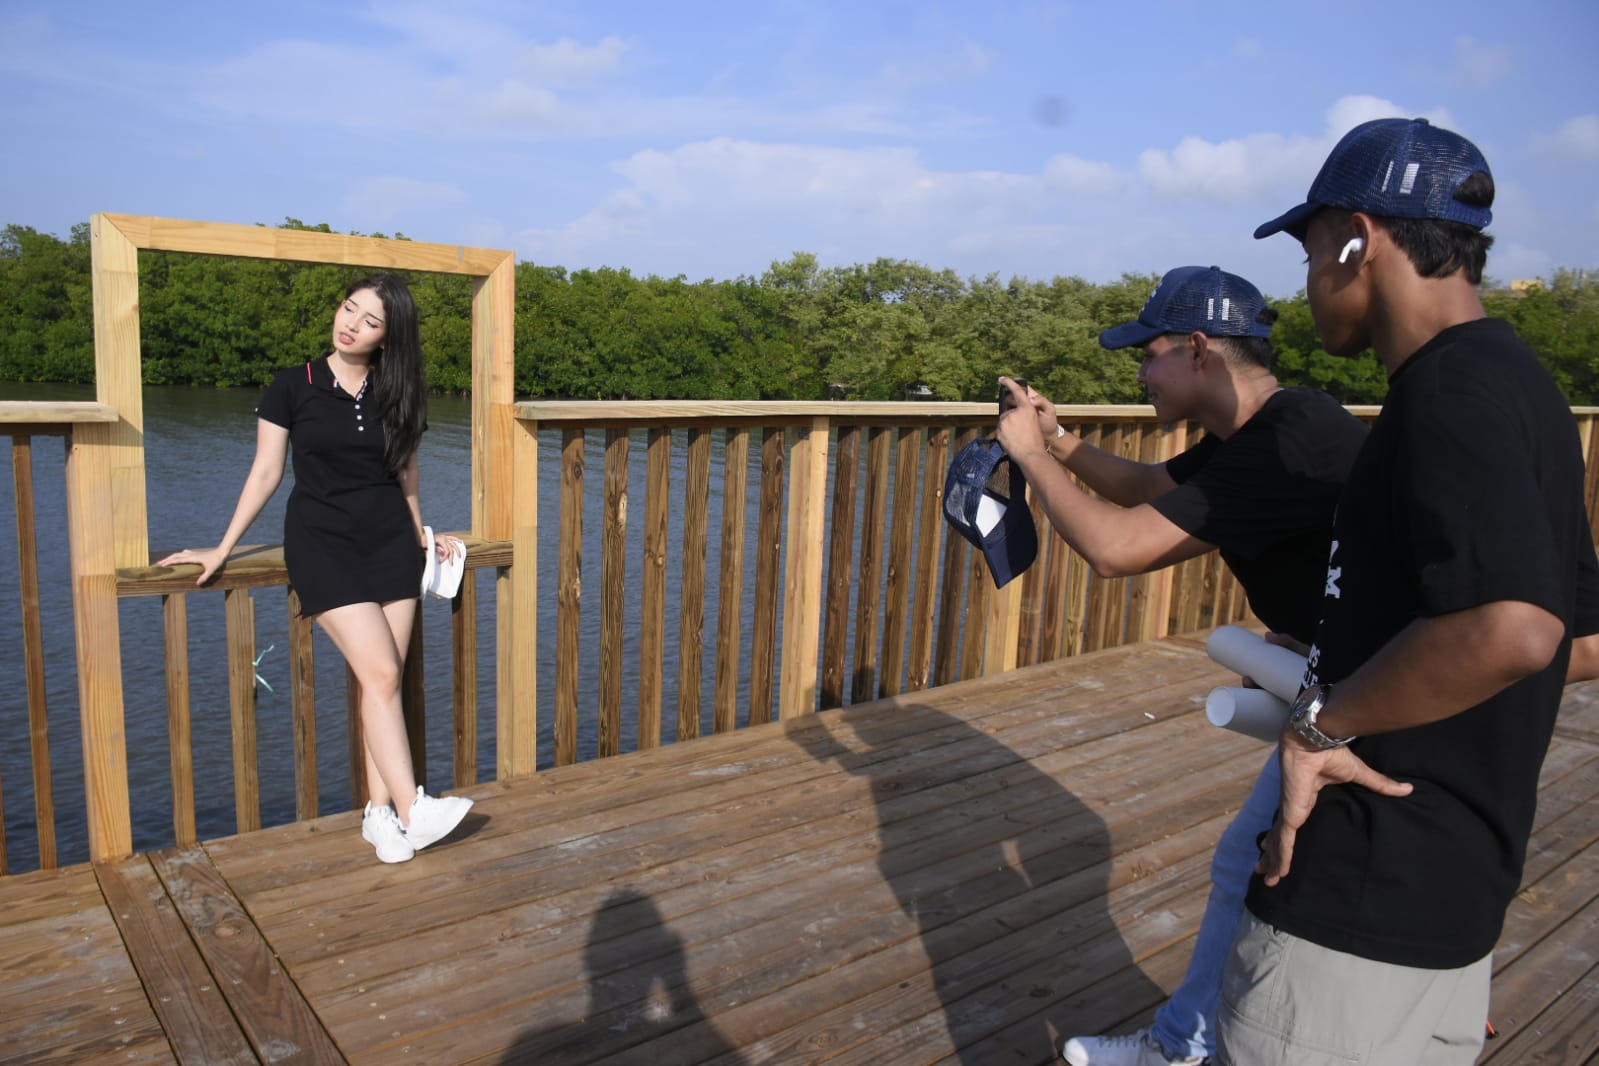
[[1010, 542], [1190, 298], [1392, 168]]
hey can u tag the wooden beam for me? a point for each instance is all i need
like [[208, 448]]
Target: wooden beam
[[42, 417], [303, 246], [114, 260], [493, 389]]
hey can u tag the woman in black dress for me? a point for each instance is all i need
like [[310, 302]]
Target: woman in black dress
[[352, 532]]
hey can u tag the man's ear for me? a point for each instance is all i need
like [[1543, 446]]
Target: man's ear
[[1200, 343], [1362, 229]]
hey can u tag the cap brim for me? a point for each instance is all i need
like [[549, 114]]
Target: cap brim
[[1293, 222], [1129, 335]]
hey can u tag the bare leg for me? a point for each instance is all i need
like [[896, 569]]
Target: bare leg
[[373, 640]]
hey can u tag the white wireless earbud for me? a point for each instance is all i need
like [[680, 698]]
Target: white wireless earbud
[[1355, 246]]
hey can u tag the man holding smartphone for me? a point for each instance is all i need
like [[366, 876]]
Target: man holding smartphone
[[1261, 487]]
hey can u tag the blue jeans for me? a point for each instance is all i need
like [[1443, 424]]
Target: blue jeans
[[1186, 1026]]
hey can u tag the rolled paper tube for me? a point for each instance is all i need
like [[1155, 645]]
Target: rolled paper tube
[[1253, 712], [1277, 670]]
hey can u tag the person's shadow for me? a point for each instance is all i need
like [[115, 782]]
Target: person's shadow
[[638, 992], [1005, 873]]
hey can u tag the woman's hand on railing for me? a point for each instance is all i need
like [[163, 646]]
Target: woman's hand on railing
[[448, 547], [210, 560]]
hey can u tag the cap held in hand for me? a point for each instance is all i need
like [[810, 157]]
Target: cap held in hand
[[1001, 527]]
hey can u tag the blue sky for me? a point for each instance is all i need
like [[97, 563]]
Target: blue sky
[[709, 139]]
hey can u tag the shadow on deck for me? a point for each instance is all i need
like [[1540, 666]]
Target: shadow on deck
[[963, 875]]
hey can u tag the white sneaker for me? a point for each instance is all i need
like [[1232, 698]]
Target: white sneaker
[[1134, 1049], [381, 828], [434, 817]]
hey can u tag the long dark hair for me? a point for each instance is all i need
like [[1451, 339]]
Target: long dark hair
[[398, 376]]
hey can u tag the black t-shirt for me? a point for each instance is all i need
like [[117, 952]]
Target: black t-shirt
[[1469, 491], [1265, 498]]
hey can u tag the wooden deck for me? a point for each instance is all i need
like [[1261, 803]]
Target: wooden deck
[[963, 875]]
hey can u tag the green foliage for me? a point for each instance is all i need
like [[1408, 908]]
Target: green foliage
[[1302, 361], [46, 306], [799, 331], [1561, 323]]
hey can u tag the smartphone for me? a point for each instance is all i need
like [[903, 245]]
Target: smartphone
[[1005, 402]]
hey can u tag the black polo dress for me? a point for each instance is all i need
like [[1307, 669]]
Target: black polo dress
[[348, 536]]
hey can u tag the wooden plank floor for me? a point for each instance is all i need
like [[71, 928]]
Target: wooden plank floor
[[961, 876]]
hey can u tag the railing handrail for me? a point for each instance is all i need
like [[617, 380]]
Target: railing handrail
[[784, 412], [41, 415]]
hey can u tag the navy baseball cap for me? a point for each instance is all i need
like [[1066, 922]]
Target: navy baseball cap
[[1190, 298], [1392, 168], [998, 526]]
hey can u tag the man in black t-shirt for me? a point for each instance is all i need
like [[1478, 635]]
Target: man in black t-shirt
[[1261, 487], [1462, 567]]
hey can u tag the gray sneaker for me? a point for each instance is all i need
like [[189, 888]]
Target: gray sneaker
[[381, 828], [434, 817], [1134, 1049]]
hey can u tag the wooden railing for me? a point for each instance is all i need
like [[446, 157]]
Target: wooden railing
[[858, 590], [849, 492], [256, 567], [77, 423]]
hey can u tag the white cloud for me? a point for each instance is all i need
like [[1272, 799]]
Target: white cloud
[[724, 199], [855, 203], [1235, 170], [1576, 138], [1069, 173], [1245, 168]]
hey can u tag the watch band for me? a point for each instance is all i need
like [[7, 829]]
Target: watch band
[[1302, 718]]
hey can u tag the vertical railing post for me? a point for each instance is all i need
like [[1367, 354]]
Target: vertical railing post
[[730, 589], [33, 653], [302, 700], [517, 713], [613, 592], [99, 641], [569, 593], [240, 611], [652, 610], [802, 582], [180, 732]]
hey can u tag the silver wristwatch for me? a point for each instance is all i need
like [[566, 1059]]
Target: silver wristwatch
[[1302, 717]]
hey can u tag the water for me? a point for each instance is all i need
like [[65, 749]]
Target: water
[[199, 444]]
